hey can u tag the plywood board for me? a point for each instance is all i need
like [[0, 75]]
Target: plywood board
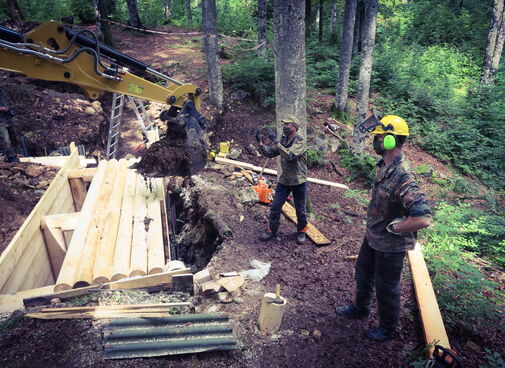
[[312, 232]]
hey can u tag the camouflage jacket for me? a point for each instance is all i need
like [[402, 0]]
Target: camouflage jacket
[[395, 194], [292, 160]]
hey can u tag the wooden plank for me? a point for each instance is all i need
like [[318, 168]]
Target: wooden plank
[[57, 161], [86, 174], [102, 271], [312, 232], [11, 302], [20, 243], [433, 325], [64, 221], [56, 246], [245, 165], [68, 237], [79, 192], [122, 251], [138, 260], [68, 270], [64, 203], [84, 274], [100, 315], [155, 251], [164, 278]]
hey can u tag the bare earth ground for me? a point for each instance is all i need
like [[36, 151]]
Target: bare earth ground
[[314, 280]]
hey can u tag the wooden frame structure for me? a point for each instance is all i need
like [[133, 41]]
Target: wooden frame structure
[[77, 237]]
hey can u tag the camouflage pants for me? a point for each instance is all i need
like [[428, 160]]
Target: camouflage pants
[[381, 270]]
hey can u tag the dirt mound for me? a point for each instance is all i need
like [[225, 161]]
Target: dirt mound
[[164, 158]]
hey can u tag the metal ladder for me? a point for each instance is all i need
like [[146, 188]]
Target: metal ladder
[[115, 125], [115, 121]]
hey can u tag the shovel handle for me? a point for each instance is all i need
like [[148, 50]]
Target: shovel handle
[[277, 291]]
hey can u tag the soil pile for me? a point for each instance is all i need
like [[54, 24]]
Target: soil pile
[[164, 158]]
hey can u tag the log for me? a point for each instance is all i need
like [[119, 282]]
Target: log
[[155, 252], [67, 274], [43, 296], [245, 165], [121, 261], [433, 325], [138, 260], [102, 315], [102, 271], [57, 161], [122, 307], [85, 174], [84, 274]]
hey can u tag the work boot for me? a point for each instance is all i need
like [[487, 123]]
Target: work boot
[[267, 236], [350, 311], [381, 334], [300, 238]]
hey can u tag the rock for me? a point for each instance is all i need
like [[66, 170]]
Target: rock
[[239, 95], [97, 106], [333, 144], [89, 110], [321, 142], [247, 196], [55, 301], [235, 153], [304, 333], [174, 265], [317, 334], [213, 309]]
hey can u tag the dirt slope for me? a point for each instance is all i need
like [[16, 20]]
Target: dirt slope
[[314, 280]]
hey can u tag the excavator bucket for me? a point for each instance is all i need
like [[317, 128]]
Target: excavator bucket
[[183, 152]]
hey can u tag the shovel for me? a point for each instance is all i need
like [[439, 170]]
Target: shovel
[[277, 299]]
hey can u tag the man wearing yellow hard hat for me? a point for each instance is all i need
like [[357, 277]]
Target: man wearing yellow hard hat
[[397, 210]]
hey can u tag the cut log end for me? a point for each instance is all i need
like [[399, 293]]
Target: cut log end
[[100, 280], [62, 287], [80, 284], [137, 273], [119, 276], [155, 270]]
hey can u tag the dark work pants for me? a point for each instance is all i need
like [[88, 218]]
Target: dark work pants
[[281, 194], [382, 270]]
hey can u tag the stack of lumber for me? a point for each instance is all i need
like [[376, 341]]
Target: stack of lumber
[[118, 232]]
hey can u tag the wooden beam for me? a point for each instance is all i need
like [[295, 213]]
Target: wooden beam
[[10, 258], [312, 232], [155, 251], [85, 174], [79, 192], [164, 312], [138, 260], [122, 307], [57, 161], [245, 165], [433, 325], [84, 274], [163, 279], [56, 247], [73, 258], [102, 271], [122, 251]]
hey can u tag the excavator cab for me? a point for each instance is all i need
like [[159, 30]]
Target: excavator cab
[[55, 52]]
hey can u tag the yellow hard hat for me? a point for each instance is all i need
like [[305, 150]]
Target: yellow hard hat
[[391, 124]]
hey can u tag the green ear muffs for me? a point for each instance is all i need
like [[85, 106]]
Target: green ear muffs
[[389, 142]]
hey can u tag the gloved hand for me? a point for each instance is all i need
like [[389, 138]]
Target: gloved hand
[[272, 136], [257, 135], [389, 227]]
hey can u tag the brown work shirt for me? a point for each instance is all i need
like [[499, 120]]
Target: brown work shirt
[[395, 194]]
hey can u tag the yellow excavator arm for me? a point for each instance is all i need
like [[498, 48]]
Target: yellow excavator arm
[[55, 52]]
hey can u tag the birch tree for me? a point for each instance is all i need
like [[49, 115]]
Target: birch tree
[[494, 43], [167, 10], [133, 13], [262, 27], [211, 53], [289, 19], [342, 91], [365, 72]]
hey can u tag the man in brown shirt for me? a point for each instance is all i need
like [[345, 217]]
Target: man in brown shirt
[[397, 210]]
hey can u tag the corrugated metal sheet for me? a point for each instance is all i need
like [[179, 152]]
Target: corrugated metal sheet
[[179, 334]]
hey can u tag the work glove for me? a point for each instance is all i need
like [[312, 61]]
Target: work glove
[[272, 136], [257, 135], [389, 227]]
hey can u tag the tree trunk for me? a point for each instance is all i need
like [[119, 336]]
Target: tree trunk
[[492, 43], [321, 21], [211, 53], [167, 10], [342, 92], [290, 84], [308, 17], [15, 11], [189, 14], [333, 21], [365, 72], [359, 27], [102, 24], [262, 27], [134, 15], [500, 39]]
